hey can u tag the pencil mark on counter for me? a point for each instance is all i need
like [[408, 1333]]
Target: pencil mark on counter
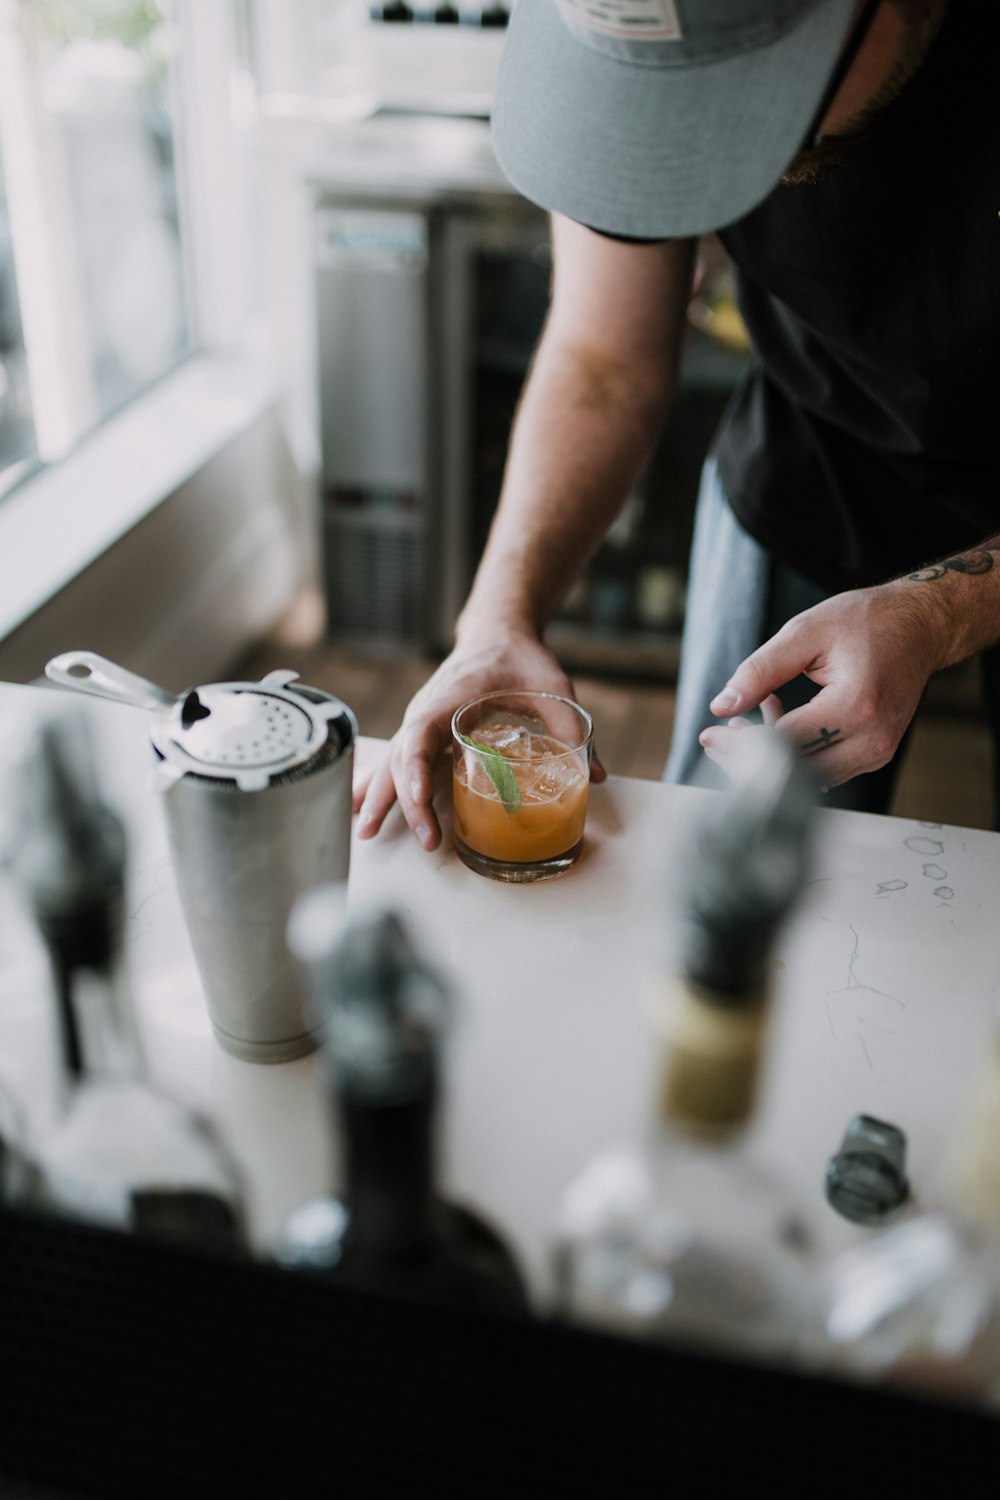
[[857, 1011], [919, 845], [853, 981]]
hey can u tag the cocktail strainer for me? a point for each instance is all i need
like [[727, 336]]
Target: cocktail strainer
[[256, 783]]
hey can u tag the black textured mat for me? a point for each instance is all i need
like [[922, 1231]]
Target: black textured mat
[[129, 1370]]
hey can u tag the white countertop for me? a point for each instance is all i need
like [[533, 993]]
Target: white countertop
[[884, 983]]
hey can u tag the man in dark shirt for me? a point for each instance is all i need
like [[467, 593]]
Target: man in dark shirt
[[846, 152]]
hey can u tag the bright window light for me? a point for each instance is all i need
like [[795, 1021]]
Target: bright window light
[[93, 293]]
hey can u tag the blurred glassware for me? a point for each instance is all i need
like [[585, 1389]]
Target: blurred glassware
[[687, 1236], [919, 1304], [119, 1153]]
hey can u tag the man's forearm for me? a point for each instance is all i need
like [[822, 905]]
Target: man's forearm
[[582, 434], [960, 598], [598, 391]]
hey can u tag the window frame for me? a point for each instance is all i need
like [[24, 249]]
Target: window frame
[[133, 460]]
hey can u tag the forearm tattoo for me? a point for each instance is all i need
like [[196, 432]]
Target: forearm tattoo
[[977, 561]]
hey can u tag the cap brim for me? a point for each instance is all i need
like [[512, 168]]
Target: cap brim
[[655, 152]]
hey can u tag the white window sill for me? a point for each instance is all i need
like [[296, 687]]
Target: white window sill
[[55, 524]]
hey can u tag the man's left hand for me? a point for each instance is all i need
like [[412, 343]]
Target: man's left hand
[[871, 651]]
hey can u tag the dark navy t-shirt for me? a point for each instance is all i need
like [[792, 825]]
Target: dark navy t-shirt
[[866, 439]]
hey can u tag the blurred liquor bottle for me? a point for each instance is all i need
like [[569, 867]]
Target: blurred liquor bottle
[[11, 1136], [385, 1015], [685, 1236], [918, 1304], [118, 1153], [17, 1180]]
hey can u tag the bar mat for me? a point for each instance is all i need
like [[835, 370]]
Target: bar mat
[[130, 1370]]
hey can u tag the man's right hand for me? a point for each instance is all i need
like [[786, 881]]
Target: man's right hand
[[406, 773]]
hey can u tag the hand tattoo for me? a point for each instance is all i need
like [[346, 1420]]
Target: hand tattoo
[[966, 562], [824, 738]]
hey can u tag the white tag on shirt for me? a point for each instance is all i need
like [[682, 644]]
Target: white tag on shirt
[[638, 20]]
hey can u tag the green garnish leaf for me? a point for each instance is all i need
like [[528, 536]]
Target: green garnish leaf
[[500, 771]]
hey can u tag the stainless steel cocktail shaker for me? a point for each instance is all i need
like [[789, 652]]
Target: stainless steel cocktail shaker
[[256, 787]]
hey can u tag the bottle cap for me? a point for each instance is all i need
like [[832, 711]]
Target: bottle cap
[[68, 853], [866, 1181], [745, 866], [385, 1009]]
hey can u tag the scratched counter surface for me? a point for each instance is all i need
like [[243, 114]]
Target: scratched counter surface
[[887, 992], [884, 983]]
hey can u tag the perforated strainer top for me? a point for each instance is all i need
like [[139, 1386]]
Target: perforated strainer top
[[247, 732], [246, 729]]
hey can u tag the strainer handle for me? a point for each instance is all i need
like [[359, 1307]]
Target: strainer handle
[[86, 672]]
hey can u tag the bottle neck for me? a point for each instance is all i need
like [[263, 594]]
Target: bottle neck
[[389, 1175], [96, 1028], [712, 1052]]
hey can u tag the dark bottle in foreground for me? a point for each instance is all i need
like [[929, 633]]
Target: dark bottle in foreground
[[685, 1235], [385, 1017], [119, 1152]]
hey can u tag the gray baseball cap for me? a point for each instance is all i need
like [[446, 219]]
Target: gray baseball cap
[[660, 118]]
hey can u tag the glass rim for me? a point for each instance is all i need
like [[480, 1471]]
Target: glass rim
[[585, 743]]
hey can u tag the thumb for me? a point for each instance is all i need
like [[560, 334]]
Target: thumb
[[769, 668]]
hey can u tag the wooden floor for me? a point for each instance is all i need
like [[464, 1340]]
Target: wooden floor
[[945, 777]]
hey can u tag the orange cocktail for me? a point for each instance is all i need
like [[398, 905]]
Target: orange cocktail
[[521, 778]]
